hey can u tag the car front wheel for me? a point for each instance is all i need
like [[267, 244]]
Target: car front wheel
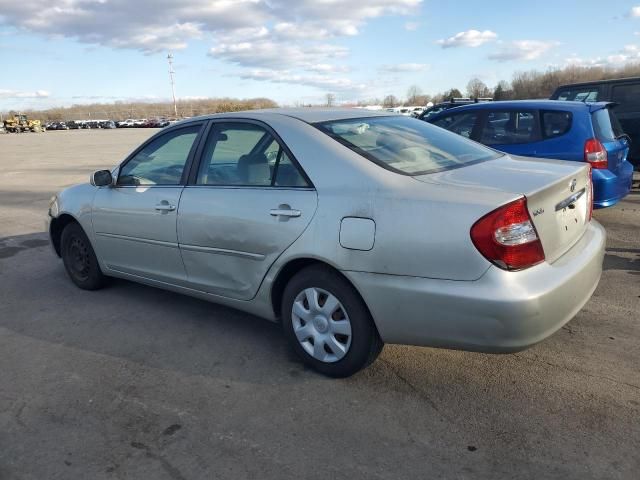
[[328, 324], [79, 258]]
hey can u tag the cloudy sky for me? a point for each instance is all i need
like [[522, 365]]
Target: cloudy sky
[[59, 52]]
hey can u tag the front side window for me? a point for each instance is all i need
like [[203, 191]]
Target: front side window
[[460, 123], [406, 145], [162, 161], [246, 154], [508, 128]]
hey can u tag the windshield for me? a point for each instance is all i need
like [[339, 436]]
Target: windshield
[[406, 145]]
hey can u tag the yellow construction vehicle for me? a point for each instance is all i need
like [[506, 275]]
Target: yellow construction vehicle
[[20, 123]]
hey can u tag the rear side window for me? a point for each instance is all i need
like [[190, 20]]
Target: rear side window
[[460, 123], [555, 123], [509, 128], [406, 145], [628, 97], [584, 94], [246, 154], [606, 125]]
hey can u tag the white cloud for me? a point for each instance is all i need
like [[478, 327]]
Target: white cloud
[[522, 50], [404, 67], [411, 26], [264, 34], [327, 68], [323, 82], [470, 38], [629, 53], [152, 25], [634, 12], [146, 25], [21, 94], [277, 55]]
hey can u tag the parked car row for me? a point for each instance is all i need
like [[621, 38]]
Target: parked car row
[[159, 122]]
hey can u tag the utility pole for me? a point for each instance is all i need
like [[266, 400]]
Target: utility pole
[[173, 87]]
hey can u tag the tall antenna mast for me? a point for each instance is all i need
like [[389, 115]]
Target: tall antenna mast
[[173, 87]]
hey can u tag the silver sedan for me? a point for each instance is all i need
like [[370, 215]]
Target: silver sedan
[[351, 228]]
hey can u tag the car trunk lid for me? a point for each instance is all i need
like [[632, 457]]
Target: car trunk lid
[[557, 194]]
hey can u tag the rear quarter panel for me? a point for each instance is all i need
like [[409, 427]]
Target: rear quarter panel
[[421, 229]]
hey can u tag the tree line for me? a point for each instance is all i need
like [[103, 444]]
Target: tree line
[[532, 84], [123, 110]]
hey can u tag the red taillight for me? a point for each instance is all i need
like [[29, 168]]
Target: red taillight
[[595, 154], [507, 238], [590, 193]]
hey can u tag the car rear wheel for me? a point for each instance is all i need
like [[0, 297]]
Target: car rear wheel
[[79, 258], [328, 324]]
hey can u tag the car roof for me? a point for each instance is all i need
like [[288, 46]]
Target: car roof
[[600, 82], [533, 104], [308, 114]]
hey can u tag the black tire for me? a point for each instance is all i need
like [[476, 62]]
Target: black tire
[[365, 343], [79, 258]]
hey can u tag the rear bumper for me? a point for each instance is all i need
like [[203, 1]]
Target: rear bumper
[[610, 188], [501, 312]]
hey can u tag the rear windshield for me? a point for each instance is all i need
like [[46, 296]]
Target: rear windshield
[[584, 94], [606, 125], [406, 145]]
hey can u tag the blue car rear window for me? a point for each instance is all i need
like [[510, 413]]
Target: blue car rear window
[[606, 125]]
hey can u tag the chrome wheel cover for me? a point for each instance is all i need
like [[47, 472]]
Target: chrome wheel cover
[[321, 325]]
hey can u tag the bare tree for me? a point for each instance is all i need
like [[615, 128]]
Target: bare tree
[[476, 88], [413, 94], [331, 98], [390, 101]]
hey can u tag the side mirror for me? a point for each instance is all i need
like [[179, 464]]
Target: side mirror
[[101, 178]]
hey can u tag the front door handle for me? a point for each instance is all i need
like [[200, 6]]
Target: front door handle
[[165, 207], [284, 212]]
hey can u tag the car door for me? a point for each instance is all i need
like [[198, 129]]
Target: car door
[[248, 201], [134, 221]]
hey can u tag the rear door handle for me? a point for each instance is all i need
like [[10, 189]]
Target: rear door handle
[[165, 207], [284, 212]]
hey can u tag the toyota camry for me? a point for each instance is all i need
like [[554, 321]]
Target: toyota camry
[[351, 228]]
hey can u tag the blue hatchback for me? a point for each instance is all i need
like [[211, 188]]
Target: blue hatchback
[[578, 131]]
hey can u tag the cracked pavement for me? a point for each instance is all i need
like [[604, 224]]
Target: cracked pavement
[[133, 383]]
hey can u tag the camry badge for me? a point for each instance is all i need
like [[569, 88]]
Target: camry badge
[[572, 185]]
